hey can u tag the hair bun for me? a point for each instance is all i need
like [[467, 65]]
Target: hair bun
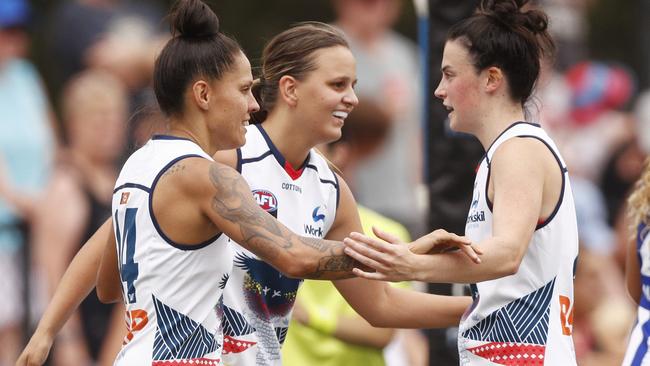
[[509, 13], [193, 19]]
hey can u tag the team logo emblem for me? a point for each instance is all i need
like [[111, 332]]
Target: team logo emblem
[[267, 201], [316, 216]]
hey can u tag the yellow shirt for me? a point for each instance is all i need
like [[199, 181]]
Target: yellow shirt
[[305, 346]]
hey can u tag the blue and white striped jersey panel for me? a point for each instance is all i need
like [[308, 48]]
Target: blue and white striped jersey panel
[[171, 291], [260, 299], [542, 287], [522, 321], [637, 350]]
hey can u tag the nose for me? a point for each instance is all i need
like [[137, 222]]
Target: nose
[[350, 98], [253, 106], [440, 91]]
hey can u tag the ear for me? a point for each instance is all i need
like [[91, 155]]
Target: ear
[[494, 80], [201, 94], [287, 90]]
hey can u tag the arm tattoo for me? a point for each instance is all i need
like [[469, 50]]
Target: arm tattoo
[[233, 201]]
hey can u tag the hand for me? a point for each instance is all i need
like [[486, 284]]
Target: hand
[[36, 351], [397, 262], [391, 261], [439, 241]]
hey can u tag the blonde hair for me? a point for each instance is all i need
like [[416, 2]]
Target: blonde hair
[[639, 200]]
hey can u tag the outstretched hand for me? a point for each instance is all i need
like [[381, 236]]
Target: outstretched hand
[[393, 261], [36, 351], [439, 241]]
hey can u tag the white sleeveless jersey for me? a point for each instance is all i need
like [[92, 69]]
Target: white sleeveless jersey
[[258, 299], [525, 318], [172, 292], [637, 349]]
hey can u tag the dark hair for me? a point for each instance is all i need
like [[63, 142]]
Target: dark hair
[[292, 53], [502, 34], [197, 49]]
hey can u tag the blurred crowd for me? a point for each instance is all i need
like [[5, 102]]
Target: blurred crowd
[[57, 170]]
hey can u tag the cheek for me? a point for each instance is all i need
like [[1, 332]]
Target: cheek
[[463, 93]]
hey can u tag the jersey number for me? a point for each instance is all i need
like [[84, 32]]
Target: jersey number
[[126, 237]]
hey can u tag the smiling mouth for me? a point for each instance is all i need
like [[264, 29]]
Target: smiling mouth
[[340, 115]]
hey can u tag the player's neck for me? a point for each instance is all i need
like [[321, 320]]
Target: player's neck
[[497, 119], [288, 138]]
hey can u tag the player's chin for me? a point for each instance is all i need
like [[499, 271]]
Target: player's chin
[[237, 142], [333, 134]]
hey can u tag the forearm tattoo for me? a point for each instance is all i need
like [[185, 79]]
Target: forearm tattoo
[[264, 234]]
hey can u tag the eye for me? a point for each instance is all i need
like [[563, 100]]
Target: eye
[[339, 85]]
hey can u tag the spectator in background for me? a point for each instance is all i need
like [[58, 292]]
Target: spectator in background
[[388, 72], [118, 36], [78, 201], [79, 28], [321, 315], [26, 148]]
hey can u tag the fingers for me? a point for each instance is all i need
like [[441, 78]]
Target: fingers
[[376, 244], [468, 250], [460, 239], [362, 254], [381, 234], [376, 276]]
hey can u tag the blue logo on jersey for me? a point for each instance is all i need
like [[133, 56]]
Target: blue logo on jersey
[[316, 216]]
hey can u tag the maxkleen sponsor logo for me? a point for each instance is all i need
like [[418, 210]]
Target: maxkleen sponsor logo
[[314, 231], [267, 201], [477, 216], [291, 187]]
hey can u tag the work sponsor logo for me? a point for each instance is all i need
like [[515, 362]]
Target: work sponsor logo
[[313, 231]]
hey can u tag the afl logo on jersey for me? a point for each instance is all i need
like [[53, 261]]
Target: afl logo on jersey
[[267, 201]]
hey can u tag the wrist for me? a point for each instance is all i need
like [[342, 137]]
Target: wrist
[[417, 267]]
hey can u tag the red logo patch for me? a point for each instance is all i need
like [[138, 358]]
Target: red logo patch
[[124, 198], [266, 200]]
